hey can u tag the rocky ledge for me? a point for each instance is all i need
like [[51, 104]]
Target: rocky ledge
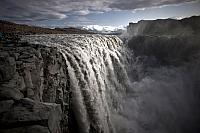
[[34, 93]]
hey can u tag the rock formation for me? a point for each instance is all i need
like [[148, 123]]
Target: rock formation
[[33, 89], [186, 26]]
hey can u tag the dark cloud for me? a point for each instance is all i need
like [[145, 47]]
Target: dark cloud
[[38, 10], [136, 4], [31, 10]]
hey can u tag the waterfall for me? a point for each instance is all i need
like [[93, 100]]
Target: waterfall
[[116, 90], [97, 76]]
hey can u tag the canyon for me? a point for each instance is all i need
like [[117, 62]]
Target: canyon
[[92, 83]]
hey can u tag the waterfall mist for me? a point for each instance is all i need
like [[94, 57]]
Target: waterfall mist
[[118, 88]]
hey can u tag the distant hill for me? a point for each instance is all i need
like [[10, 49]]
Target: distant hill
[[10, 27], [186, 26]]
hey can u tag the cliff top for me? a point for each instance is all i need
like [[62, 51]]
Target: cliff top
[[186, 26]]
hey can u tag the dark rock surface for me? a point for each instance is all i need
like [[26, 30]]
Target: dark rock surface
[[174, 50], [34, 94], [26, 112], [186, 26], [165, 70]]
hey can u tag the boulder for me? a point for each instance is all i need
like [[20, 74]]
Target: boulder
[[33, 87], [26, 112], [10, 93]]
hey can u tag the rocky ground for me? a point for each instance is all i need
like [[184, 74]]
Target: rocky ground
[[34, 93]]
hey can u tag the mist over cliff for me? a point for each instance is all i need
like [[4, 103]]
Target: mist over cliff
[[165, 75]]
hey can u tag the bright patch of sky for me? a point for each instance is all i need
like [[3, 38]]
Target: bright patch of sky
[[118, 18]]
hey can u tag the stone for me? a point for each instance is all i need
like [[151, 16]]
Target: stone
[[20, 83], [29, 129], [7, 68], [33, 86], [26, 112], [38, 129], [10, 93], [6, 105], [54, 118], [53, 69]]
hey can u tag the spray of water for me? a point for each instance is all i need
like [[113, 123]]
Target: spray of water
[[117, 91]]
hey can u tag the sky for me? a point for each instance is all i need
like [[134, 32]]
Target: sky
[[65, 13]]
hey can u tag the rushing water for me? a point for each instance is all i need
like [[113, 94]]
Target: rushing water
[[114, 91]]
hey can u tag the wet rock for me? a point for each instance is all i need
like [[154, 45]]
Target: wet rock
[[10, 93], [29, 129], [26, 112], [33, 88], [37, 129], [7, 67], [6, 105]]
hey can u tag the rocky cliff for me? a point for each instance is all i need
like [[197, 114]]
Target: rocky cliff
[[60, 83], [34, 93], [165, 75], [186, 26], [96, 84]]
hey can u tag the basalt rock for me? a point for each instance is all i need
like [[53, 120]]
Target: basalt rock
[[34, 95]]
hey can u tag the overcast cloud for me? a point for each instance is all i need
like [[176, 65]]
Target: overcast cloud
[[38, 10]]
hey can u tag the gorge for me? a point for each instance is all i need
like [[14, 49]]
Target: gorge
[[91, 83]]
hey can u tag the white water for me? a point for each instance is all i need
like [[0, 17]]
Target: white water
[[115, 92]]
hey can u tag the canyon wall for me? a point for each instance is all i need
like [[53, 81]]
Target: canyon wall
[[170, 27], [34, 93], [98, 84]]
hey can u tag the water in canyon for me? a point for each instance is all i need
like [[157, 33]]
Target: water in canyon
[[115, 89]]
